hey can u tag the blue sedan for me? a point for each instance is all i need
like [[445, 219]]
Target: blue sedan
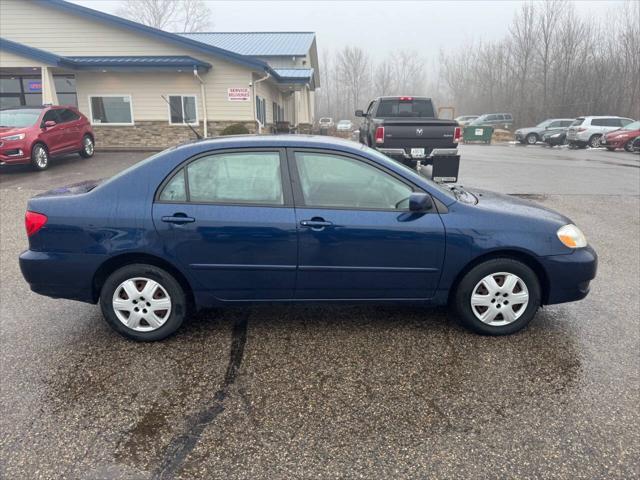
[[243, 220]]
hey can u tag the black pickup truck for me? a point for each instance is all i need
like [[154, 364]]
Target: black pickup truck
[[407, 129]]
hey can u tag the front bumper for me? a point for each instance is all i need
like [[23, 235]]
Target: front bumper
[[14, 152], [569, 276]]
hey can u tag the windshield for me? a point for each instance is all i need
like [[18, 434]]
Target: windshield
[[632, 126], [19, 118], [411, 173], [405, 108]]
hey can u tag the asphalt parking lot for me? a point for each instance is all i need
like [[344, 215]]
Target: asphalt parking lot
[[336, 391]]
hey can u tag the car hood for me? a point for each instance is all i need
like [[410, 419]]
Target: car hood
[[517, 207], [4, 131], [622, 133]]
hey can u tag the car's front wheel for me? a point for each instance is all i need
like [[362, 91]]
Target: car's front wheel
[[143, 302], [39, 157], [497, 297], [88, 147], [629, 146]]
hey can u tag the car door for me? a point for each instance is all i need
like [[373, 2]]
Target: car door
[[52, 136], [357, 239], [71, 131], [227, 218]]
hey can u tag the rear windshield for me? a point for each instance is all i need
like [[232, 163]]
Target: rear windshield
[[405, 108], [24, 117], [577, 121]]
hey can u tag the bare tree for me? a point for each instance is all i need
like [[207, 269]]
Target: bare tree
[[352, 65], [176, 15], [384, 81]]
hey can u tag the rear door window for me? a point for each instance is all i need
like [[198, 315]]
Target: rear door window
[[67, 115], [601, 122], [252, 178]]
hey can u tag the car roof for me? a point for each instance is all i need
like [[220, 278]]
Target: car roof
[[601, 116], [283, 140]]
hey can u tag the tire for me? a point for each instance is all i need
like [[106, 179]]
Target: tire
[[40, 157], [474, 281], [162, 322], [531, 139], [628, 147], [594, 141], [88, 147]]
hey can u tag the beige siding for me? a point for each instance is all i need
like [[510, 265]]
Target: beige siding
[[64, 33], [11, 60], [146, 89]]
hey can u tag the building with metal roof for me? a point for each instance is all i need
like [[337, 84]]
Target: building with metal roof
[[142, 87]]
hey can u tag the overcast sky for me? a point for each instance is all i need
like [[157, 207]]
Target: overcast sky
[[378, 26]]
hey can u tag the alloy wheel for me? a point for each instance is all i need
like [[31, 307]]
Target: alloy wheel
[[499, 299], [141, 304], [41, 157], [88, 146]]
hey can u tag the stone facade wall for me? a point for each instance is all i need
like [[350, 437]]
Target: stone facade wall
[[152, 135]]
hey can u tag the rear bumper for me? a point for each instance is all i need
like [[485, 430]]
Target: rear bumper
[[60, 275], [569, 276]]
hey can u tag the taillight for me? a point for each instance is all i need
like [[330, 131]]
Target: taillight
[[406, 99], [34, 221], [456, 135], [380, 135], [582, 129]]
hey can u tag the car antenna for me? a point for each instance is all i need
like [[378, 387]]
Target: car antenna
[[198, 136]]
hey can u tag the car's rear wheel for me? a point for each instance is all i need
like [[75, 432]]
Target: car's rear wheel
[[39, 157], [143, 302], [88, 147], [497, 297], [531, 139], [594, 141]]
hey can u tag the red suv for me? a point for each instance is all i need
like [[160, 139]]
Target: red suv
[[36, 134]]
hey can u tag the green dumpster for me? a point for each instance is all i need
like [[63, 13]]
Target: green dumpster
[[472, 133]]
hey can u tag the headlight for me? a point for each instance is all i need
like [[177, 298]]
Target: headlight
[[18, 136], [572, 237], [556, 135]]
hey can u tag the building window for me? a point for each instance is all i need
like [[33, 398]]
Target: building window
[[111, 110], [261, 110], [26, 90], [183, 110]]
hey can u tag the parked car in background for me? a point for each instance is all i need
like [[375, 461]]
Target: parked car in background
[[497, 120], [465, 119], [301, 219], [589, 130], [36, 134], [325, 123], [635, 145], [555, 137], [622, 138], [532, 135], [406, 129], [344, 126]]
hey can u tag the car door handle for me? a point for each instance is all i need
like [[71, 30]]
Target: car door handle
[[316, 223], [178, 219]]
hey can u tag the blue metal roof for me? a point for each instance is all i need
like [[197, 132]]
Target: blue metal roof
[[257, 44], [139, 61], [83, 63], [294, 73]]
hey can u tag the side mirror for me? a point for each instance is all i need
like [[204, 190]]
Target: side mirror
[[359, 113], [49, 124], [420, 202]]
